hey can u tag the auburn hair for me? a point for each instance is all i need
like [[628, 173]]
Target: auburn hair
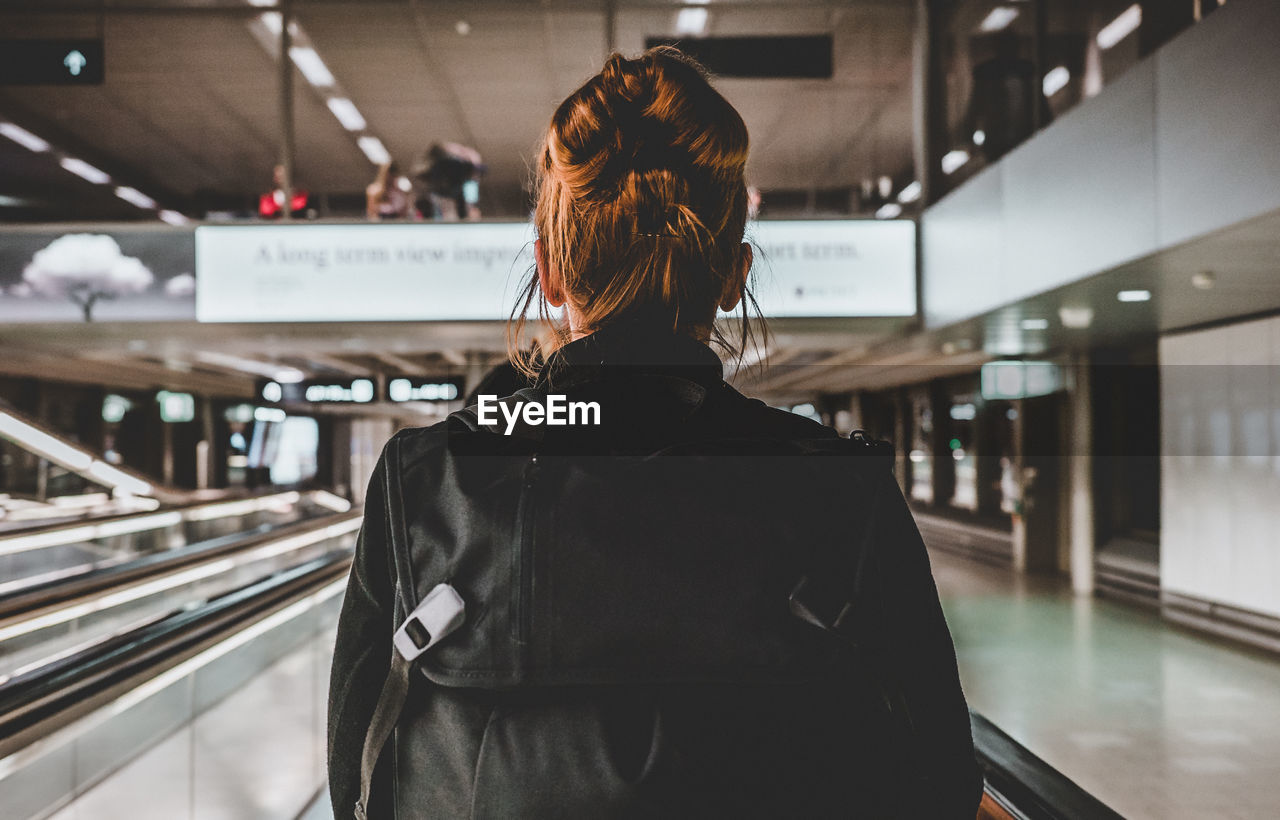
[[641, 203]]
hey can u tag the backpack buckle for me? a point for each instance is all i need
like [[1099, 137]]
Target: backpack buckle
[[440, 613]]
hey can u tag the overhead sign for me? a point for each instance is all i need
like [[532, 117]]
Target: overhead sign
[[51, 62], [320, 391], [1020, 379], [402, 388], [352, 273], [835, 267], [472, 271]]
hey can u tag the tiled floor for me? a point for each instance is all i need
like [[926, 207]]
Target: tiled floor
[[1155, 721]]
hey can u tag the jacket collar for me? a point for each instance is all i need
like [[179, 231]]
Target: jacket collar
[[633, 347]]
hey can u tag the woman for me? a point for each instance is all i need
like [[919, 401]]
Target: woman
[[682, 604]]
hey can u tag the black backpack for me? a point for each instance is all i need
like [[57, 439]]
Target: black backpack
[[696, 639]]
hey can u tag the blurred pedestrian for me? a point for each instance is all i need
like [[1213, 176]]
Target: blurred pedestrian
[[387, 197]]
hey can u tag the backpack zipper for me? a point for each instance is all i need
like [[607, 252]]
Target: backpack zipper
[[524, 559]]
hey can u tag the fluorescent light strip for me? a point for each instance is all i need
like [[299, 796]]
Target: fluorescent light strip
[[889, 210], [23, 137], [135, 197], [347, 113], [173, 217], [910, 193], [145, 589], [84, 170], [1121, 27], [954, 160], [137, 695], [1055, 80], [1134, 295], [374, 150], [311, 66], [1035, 324], [998, 18], [691, 21]]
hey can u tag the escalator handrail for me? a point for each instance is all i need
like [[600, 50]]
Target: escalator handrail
[[40, 694], [1019, 778], [63, 590]]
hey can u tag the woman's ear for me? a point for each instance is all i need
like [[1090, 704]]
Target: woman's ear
[[736, 284], [548, 278]]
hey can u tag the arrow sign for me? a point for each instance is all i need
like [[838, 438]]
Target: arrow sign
[[75, 62], [51, 62]]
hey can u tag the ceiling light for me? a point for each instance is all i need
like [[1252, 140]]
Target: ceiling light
[[23, 137], [1035, 324], [885, 186], [347, 113], [691, 22], [289, 375], [1121, 27], [311, 66], [1000, 17], [374, 150], [1203, 280], [1055, 80], [1134, 295], [889, 210], [1076, 317], [979, 137], [84, 170], [135, 197], [405, 184], [173, 218], [462, 27], [952, 161], [910, 193], [272, 22], [262, 3]]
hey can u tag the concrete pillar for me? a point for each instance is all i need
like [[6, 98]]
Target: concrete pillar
[[1080, 512]]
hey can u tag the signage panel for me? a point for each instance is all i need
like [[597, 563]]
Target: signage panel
[[404, 388], [471, 271], [354, 273], [320, 391], [51, 62], [846, 267], [1020, 379]]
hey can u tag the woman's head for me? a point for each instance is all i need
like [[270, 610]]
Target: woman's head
[[641, 203]]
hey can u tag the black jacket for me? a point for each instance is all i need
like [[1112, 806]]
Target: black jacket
[[655, 603]]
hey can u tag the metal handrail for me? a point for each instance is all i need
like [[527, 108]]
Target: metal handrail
[[1024, 786], [80, 680]]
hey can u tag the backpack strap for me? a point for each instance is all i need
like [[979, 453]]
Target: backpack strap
[[441, 612]]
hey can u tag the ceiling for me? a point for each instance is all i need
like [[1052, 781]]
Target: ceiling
[[189, 112]]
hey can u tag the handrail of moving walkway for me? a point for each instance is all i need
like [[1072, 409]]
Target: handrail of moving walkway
[[1021, 786], [65, 590], [75, 685]]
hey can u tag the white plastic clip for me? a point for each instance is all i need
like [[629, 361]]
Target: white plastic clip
[[440, 612]]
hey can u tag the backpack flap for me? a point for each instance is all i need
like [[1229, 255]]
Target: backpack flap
[[575, 571]]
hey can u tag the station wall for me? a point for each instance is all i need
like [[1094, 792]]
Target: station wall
[[1220, 465]]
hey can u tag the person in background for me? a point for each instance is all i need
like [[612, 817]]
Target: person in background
[[450, 174], [271, 204], [388, 195]]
